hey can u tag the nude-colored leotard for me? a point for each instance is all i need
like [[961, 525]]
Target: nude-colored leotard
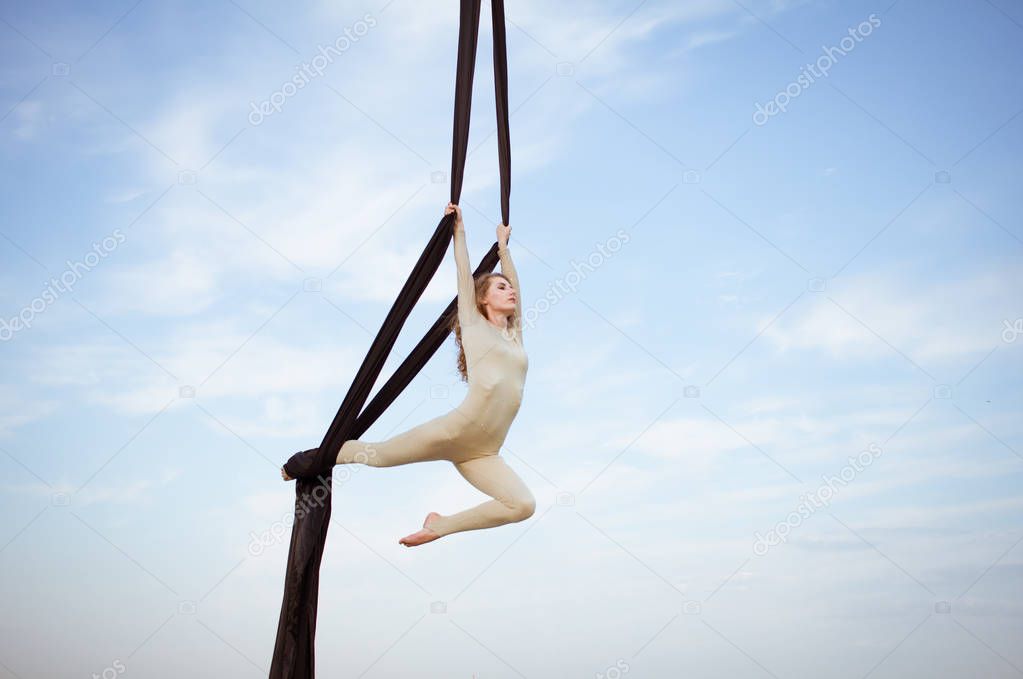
[[471, 435]]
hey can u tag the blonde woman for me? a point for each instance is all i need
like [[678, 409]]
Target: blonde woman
[[491, 358]]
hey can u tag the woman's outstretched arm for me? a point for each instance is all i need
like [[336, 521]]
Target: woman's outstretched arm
[[508, 269], [467, 311]]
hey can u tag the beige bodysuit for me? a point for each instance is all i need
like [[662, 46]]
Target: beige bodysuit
[[471, 435]]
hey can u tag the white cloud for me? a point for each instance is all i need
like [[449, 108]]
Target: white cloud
[[694, 444], [704, 38], [181, 284], [124, 195], [264, 367], [28, 115], [17, 411], [913, 315], [136, 492]]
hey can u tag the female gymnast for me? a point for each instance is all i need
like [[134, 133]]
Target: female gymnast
[[488, 331]]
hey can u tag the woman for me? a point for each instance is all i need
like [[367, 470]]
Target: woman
[[488, 331]]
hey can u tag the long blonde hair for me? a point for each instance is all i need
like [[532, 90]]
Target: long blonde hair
[[482, 285]]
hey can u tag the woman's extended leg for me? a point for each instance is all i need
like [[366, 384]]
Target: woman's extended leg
[[512, 501], [431, 440]]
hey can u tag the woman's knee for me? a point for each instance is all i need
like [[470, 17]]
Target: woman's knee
[[522, 507]]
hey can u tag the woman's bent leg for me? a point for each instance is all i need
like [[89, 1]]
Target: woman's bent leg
[[512, 501], [432, 440]]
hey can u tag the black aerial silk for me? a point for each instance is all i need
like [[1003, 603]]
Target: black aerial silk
[[296, 630]]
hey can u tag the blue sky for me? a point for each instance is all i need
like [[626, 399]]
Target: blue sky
[[772, 426]]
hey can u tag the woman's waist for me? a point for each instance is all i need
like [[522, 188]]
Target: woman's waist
[[502, 390], [501, 400]]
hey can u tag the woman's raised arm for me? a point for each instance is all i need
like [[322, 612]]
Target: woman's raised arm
[[467, 311], [508, 269]]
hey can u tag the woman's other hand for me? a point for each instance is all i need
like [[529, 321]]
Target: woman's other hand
[[503, 232]]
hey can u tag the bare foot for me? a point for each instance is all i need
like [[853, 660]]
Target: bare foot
[[284, 475], [422, 536]]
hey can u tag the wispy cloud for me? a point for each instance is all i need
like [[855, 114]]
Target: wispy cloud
[[932, 321], [135, 492]]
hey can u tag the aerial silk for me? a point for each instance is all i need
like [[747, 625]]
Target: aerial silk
[[312, 469]]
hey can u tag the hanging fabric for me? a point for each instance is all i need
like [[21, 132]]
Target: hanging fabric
[[294, 651]]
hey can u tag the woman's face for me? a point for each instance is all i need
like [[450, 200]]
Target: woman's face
[[501, 296]]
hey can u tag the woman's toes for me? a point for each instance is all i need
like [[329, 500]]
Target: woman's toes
[[424, 535], [420, 537]]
